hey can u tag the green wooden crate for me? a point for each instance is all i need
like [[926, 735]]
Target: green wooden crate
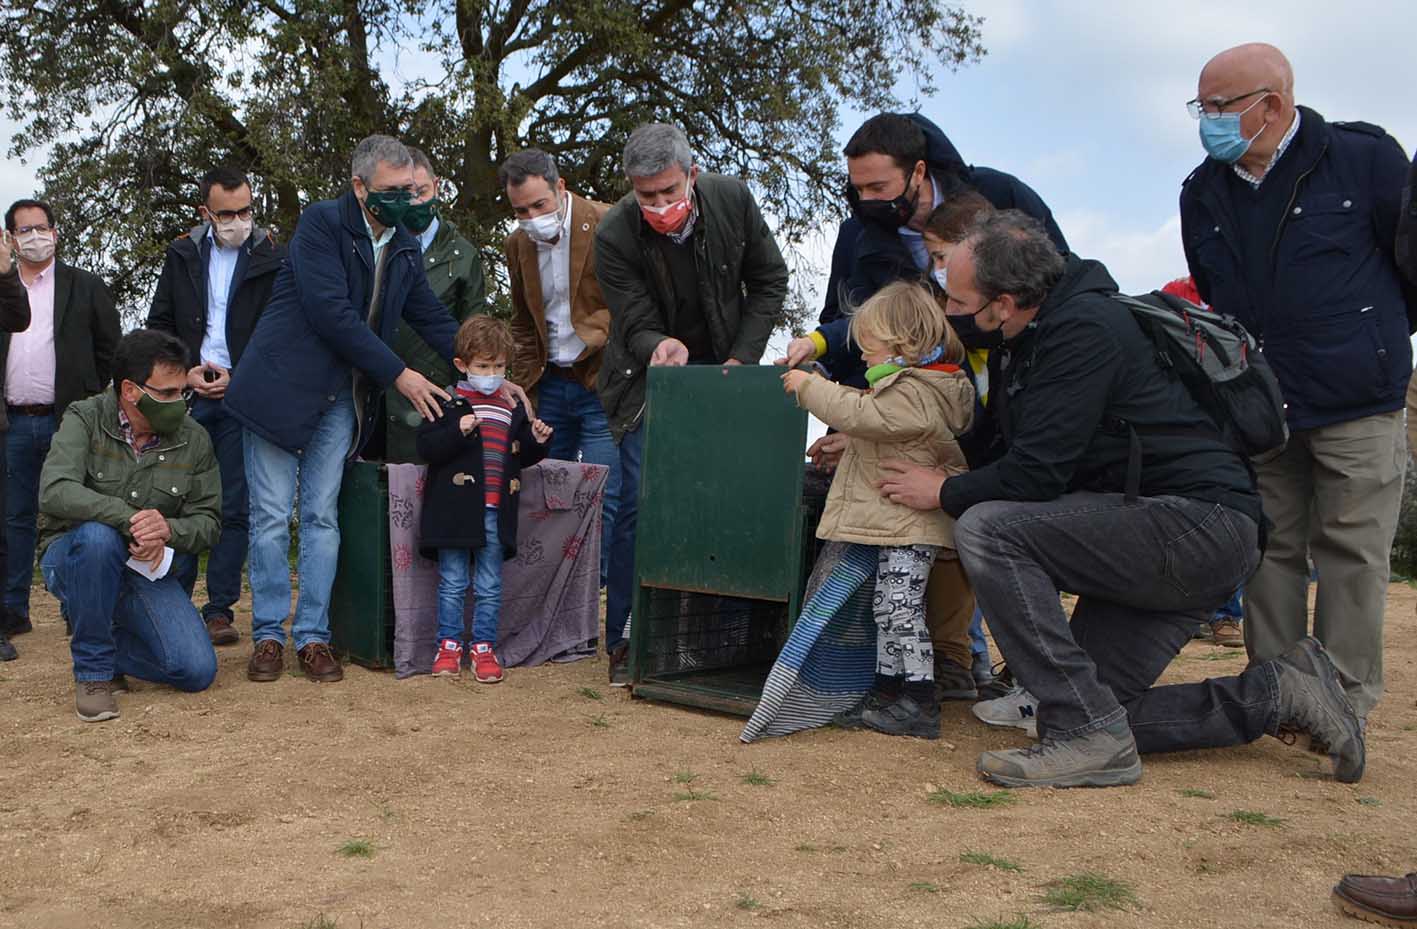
[[724, 538], [362, 600]]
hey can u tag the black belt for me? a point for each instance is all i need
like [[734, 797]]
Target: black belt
[[563, 371], [34, 409]]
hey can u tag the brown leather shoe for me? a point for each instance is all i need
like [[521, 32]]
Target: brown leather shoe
[[267, 661], [221, 630], [1387, 901], [320, 664], [1227, 632]]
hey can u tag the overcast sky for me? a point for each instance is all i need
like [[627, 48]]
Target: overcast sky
[[1085, 102]]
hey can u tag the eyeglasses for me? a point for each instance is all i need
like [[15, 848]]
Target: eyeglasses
[[37, 227], [1211, 109], [227, 216], [167, 396]]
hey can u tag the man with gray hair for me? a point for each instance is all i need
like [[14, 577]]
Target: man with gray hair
[[692, 275], [1080, 397], [322, 351]]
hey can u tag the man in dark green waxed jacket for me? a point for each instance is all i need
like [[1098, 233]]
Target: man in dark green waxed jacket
[[692, 275], [129, 494], [454, 270]]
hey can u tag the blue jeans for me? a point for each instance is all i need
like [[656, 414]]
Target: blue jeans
[[582, 434], [26, 444], [486, 587], [228, 556], [620, 588], [1233, 608], [1145, 573], [978, 645], [272, 473], [124, 623]]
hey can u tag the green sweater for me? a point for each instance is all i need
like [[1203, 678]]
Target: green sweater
[[93, 475], [454, 270]]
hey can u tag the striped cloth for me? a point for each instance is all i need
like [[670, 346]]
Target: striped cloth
[[494, 418], [829, 660]]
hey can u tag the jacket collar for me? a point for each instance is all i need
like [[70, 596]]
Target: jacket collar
[[1307, 148], [352, 215]]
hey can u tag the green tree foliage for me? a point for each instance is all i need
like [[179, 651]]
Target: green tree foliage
[[134, 100]]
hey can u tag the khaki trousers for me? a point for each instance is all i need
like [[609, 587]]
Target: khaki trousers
[[1333, 495], [949, 606]]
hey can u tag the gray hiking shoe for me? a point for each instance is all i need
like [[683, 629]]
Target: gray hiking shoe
[[874, 700], [1312, 701], [94, 701], [953, 682], [904, 716], [118, 686], [1104, 758]]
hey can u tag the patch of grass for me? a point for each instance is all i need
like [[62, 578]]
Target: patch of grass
[[1369, 801], [1410, 727], [989, 861], [1254, 818], [320, 922], [746, 902], [1228, 654], [357, 848], [600, 722], [972, 799], [641, 815], [1018, 922], [758, 779], [1089, 891], [1196, 793], [692, 794], [924, 886], [806, 847], [685, 777], [590, 693]]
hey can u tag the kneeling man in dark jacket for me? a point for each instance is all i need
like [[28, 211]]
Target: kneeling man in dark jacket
[[1149, 556]]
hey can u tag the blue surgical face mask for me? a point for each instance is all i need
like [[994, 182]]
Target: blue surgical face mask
[[486, 384], [939, 275], [1222, 137]]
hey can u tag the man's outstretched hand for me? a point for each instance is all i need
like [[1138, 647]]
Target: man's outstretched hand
[[912, 485]]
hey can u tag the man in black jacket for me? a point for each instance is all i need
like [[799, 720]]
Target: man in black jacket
[[215, 283], [1150, 552], [63, 356], [14, 317], [1289, 226]]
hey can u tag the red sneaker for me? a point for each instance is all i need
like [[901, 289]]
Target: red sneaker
[[449, 660], [485, 666]]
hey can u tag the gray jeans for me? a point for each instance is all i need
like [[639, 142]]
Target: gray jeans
[[1145, 574]]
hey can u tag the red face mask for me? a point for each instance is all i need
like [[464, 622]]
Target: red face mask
[[666, 219]]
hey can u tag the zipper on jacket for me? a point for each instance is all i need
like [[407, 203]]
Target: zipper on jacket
[[1289, 207]]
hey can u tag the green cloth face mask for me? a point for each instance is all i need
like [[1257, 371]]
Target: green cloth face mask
[[388, 206], [165, 416], [419, 216]]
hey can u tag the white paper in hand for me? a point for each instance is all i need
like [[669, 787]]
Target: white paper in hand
[[148, 571]]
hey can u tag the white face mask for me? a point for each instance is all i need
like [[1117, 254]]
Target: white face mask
[[545, 228], [35, 247], [231, 234], [939, 275]]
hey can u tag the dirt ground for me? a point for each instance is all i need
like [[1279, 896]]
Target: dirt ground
[[553, 800]]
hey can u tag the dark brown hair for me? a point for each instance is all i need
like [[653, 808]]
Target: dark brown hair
[[481, 336], [950, 221]]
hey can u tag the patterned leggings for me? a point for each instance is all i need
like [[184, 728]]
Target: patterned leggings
[[903, 646]]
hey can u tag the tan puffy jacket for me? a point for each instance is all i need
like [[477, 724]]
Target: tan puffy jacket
[[913, 415]]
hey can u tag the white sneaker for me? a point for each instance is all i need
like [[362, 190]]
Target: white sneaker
[[1016, 708]]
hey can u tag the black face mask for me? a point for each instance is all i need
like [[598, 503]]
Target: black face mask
[[886, 214], [972, 336]]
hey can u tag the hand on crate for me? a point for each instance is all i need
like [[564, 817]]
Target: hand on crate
[[468, 423], [671, 353], [798, 350], [541, 431], [793, 380]]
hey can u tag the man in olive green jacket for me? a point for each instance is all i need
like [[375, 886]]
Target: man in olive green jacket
[[692, 275], [129, 493], [454, 270]]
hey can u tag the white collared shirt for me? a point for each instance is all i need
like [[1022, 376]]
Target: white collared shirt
[[563, 346], [30, 365], [379, 242], [1255, 182], [221, 268]]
